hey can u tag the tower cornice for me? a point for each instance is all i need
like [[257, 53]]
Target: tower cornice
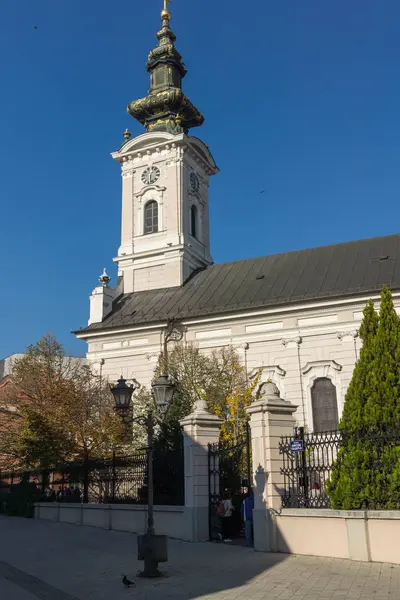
[[151, 146]]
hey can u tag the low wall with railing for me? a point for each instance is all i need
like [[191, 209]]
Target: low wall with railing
[[173, 521], [356, 535]]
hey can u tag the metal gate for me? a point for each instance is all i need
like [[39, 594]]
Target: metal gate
[[229, 469]]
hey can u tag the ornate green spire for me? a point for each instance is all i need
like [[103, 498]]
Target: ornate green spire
[[166, 108]]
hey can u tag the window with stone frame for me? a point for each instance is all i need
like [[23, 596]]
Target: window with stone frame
[[193, 221], [324, 405], [151, 217]]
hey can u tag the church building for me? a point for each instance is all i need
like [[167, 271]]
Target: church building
[[295, 315]]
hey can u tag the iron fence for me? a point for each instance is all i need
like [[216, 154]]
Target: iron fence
[[307, 462], [117, 480]]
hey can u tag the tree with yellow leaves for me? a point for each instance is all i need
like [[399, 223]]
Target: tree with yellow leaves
[[219, 378], [56, 408]]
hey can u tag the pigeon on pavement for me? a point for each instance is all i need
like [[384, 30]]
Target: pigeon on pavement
[[127, 583]]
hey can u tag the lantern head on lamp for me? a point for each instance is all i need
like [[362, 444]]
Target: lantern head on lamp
[[163, 390], [122, 395]]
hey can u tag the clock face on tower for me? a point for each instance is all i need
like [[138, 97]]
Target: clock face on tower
[[194, 182], [150, 175]]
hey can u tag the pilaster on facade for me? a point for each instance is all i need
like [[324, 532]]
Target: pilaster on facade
[[241, 349]]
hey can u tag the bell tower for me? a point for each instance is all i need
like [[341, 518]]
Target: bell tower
[[165, 180]]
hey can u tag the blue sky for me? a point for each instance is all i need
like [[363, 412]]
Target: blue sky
[[301, 100]]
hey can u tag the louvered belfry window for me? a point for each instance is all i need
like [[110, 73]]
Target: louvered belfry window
[[193, 221], [324, 405]]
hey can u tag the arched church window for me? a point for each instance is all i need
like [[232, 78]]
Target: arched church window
[[193, 221], [324, 405], [151, 217]]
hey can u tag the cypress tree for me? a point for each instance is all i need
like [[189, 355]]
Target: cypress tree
[[366, 472]]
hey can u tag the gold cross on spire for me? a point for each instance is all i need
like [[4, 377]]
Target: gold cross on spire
[[166, 2]]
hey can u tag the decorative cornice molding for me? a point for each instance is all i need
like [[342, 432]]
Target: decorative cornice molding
[[147, 188], [136, 150], [342, 334], [321, 363], [296, 340], [272, 368], [128, 172], [238, 316]]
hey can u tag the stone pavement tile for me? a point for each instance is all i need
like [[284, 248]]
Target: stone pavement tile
[[89, 563], [9, 591]]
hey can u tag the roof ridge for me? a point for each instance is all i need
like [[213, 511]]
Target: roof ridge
[[370, 239]]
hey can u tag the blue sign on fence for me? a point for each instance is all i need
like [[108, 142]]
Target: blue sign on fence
[[296, 446]]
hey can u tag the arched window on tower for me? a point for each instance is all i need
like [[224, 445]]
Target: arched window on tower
[[151, 217], [193, 221], [324, 405]]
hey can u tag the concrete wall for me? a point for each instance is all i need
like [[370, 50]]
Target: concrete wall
[[357, 535], [172, 521]]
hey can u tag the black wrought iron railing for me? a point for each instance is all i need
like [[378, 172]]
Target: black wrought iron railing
[[307, 462], [117, 480]]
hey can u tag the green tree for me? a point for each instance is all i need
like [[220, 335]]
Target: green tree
[[218, 377], [39, 442], [192, 372], [366, 472]]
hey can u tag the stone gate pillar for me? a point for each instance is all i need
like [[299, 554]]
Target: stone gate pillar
[[199, 429], [270, 418]]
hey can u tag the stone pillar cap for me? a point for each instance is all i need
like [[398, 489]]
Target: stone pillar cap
[[270, 401], [201, 414]]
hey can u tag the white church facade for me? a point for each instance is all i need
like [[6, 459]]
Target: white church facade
[[295, 315]]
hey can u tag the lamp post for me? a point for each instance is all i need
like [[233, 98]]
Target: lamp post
[[152, 548]]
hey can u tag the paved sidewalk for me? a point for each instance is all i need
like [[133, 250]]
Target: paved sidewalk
[[50, 561]]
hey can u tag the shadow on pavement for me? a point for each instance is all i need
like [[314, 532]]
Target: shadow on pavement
[[88, 563]]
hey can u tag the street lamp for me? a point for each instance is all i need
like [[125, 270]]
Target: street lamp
[[152, 548], [122, 394], [163, 390]]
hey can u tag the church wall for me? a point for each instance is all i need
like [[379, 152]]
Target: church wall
[[148, 277], [292, 349]]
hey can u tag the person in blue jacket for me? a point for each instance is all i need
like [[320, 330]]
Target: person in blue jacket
[[247, 516]]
